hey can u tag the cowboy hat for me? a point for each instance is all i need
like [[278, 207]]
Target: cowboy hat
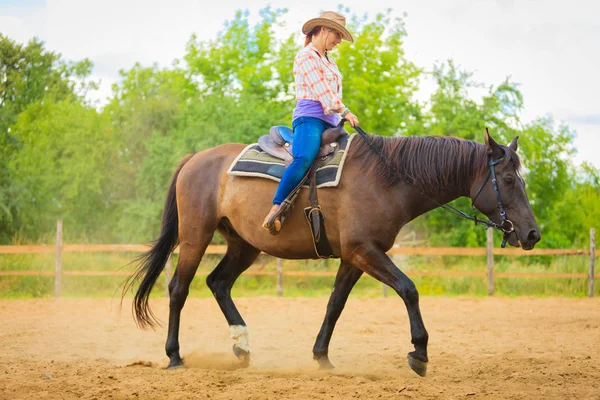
[[329, 19]]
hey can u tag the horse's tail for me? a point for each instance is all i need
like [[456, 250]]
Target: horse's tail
[[151, 263]]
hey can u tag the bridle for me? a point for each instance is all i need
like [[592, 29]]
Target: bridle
[[506, 226]]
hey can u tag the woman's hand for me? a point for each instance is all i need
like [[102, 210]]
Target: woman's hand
[[352, 119]]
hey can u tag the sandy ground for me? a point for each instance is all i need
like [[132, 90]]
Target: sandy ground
[[480, 348]]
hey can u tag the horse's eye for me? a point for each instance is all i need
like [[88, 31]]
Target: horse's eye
[[508, 180]]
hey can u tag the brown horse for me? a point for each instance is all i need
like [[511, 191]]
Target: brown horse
[[374, 200]]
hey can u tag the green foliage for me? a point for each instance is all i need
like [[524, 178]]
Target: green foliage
[[243, 59], [60, 169], [454, 113], [378, 80], [28, 74], [572, 214], [547, 154]]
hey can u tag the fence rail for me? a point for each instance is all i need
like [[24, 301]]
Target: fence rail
[[220, 249], [489, 251], [308, 274]]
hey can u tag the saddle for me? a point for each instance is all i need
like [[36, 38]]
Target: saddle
[[279, 143], [280, 140]]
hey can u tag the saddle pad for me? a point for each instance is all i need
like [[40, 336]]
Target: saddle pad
[[252, 161]]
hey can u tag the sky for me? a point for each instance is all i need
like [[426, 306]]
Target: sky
[[550, 47]]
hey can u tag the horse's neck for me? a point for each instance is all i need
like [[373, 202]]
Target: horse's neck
[[425, 202], [430, 196]]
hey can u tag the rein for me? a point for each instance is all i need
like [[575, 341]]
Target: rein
[[506, 226]]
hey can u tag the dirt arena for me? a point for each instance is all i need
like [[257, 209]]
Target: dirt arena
[[480, 348]]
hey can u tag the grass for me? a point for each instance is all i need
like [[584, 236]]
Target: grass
[[12, 287]]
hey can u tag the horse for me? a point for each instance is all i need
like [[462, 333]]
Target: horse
[[377, 195]]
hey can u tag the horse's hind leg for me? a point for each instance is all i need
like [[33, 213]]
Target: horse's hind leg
[[190, 255], [346, 278], [239, 256]]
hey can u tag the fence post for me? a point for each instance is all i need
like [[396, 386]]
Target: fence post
[[592, 261], [490, 261], [167, 275], [58, 270], [279, 277], [384, 290]]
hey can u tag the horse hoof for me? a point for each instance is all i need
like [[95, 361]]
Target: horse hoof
[[242, 355], [325, 364], [175, 364], [420, 367]]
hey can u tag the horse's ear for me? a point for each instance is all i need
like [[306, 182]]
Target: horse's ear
[[514, 145], [493, 148]]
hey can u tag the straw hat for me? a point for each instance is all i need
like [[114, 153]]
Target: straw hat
[[331, 20]]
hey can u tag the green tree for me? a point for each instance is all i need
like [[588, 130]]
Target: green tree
[[573, 210], [379, 82], [546, 152], [244, 76], [145, 111], [61, 169], [29, 74], [454, 113], [244, 59]]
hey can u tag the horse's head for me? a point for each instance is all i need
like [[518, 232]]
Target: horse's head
[[505, 202]]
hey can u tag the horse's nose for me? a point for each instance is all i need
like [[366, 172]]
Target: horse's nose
[[533, 236]]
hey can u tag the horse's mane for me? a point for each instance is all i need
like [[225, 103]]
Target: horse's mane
[[431, 163]]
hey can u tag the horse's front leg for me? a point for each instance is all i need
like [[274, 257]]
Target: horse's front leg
[[346, 278], [376, 263]]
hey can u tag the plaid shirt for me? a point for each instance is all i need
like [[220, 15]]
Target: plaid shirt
[[318, 78]]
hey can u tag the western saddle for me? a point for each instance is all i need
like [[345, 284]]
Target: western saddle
[[280, 140], [279, 143]]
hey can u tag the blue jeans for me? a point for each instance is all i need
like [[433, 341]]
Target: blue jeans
[[307, 141]]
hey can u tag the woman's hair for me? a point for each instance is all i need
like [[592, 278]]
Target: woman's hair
[[310, 35]]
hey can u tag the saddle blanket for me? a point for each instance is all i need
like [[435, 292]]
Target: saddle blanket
[[252, 161]]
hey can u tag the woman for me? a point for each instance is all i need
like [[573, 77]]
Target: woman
[[319, 101]]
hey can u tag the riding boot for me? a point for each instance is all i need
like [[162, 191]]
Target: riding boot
[[272, 222]]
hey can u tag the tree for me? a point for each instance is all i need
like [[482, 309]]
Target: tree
[[379, 82], [145, 111], [547, 152], [573, 210], [61, 169], [29, 74]]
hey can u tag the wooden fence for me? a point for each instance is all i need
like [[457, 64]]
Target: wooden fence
[[489, 251]]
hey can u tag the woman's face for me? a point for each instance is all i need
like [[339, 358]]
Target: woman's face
[[332, 38]]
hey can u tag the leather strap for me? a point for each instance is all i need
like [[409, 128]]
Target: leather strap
[[316, 221]]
